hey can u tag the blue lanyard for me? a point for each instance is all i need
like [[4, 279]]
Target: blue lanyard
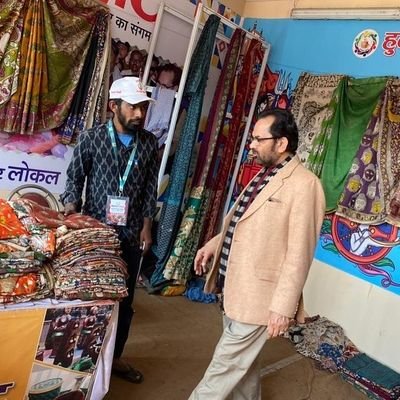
[[124, 178]]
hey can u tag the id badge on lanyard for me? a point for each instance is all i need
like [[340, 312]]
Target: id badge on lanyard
[[117, 210], [118, 206]]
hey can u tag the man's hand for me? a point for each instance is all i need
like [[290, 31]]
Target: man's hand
[[69, 208], [277, 324], [203, 256], [145, 236]]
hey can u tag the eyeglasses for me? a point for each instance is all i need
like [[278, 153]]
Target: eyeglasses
[[261, 139]]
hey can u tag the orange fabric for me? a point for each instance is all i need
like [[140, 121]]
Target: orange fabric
[[10, 225]]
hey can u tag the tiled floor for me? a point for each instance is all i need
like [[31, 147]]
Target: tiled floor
[[172, 340]]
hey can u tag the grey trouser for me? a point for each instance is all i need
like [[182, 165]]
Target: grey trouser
[[234, 368]]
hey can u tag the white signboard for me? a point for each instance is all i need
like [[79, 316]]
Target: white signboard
[[19, 168]]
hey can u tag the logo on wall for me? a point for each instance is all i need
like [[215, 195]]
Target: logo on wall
[[365, 43]]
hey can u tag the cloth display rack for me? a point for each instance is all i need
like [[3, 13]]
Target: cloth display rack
[[200, 10]]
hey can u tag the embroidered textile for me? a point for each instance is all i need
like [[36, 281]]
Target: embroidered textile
[[221, 166], [354, 100], [87, 265], [11, 17], [55, 39], [325, 342], [310, 107], [181, 259], [83, 110], [194, 91], [371, 377], [36, 218], [390, 151], [10, 226], [375, 172]]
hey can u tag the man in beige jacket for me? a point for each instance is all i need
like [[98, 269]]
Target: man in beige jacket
[[261, 258]]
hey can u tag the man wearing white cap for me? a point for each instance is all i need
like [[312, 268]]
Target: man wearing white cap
[[118, 161]]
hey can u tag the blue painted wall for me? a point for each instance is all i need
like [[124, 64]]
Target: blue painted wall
[[326, 47]]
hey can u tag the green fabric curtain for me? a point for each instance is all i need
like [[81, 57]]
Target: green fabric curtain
[[350, 110]]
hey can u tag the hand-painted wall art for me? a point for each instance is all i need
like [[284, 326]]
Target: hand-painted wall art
[[369, 252]]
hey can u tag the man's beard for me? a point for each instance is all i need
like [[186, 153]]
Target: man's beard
[[130, 126]]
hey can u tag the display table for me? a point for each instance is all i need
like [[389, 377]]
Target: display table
[[59, 350]]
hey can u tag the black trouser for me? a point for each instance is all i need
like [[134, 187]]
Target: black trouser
[[131, 256]]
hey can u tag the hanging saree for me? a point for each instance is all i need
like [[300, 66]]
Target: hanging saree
[[221, 165], [54, 44], [181, 259], [389, 157], [82, 109], [375, 171], [310, 106], [333, 150], [362, 200], [11, 17], [194, 92]]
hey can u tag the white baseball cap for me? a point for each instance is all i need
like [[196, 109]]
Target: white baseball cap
[[129, 89]]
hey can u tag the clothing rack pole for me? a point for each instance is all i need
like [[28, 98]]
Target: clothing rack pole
[[231, 24], [247, 129], [150, 53]]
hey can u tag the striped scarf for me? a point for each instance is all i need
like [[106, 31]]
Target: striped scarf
[[256, 185]]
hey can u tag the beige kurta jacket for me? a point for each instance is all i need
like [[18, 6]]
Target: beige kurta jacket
[[272, 247]]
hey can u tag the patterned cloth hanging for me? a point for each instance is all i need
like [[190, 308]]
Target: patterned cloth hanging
[[55, 40], [11, 17], [194, 91], [83, 110], [220, 169], [350, 109], [363, 199], [310, 107], [375, 171], [181, 259]]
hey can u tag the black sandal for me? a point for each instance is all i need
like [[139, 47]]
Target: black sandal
[[131, 375]]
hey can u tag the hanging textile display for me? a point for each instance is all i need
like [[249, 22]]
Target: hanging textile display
[[11, 17], [82, 112], [349, 112], [181, 259], [221, 164], [194, 92], [362, 200], [389, 157], [375, 170], [55, 41], [310, 107]]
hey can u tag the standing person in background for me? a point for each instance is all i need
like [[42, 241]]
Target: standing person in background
[[135, 64], [261, 258], [118, 161], [168, 76]]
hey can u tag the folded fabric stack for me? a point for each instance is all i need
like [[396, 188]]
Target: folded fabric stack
[[324, 341], [87, 265], [83, 255], [372, 378], [23, 276]]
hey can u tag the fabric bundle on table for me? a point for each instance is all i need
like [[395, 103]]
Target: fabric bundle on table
[[83, 254], [22, 275], [372, 378], [36, 218], [87, 265]]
